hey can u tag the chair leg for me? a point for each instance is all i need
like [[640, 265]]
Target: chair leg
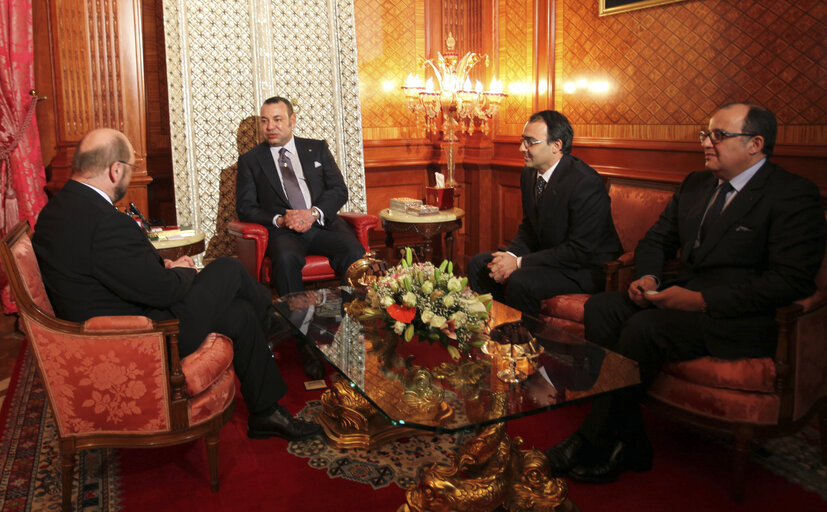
[[212, 457], [743, 438], [67, 463]]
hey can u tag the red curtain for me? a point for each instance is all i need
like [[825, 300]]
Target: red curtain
[[22, 178]]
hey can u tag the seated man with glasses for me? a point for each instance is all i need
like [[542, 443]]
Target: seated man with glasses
[[751, 237], [566, 234]]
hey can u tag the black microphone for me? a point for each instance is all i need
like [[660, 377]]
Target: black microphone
[[133, 210]]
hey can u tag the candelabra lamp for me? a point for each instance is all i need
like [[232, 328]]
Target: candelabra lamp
[[452, 104]]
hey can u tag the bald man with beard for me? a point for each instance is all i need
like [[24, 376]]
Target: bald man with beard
[[96, 261]]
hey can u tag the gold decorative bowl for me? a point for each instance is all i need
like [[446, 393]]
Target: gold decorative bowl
[[512, 350], [365, 271]]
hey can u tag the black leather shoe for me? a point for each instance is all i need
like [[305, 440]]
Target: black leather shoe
[[623, 458], [280, 424], [564, 456], [312, 362]]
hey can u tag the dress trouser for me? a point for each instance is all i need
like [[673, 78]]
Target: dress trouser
[[288, 249], [526, 287], [224, 298], [649, 336]]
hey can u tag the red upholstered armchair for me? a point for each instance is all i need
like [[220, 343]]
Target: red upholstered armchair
[[251, 245], [636, 206], [118, 381], [756, 398]]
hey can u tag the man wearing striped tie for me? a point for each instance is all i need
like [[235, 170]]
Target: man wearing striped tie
[[293, 186], [566, 234]]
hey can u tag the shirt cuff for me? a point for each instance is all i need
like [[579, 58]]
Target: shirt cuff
[[320, 220], [276, 220], [519, 259]]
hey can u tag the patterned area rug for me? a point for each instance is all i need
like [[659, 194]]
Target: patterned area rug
[[30, 462], [30, 473], [392, 463]]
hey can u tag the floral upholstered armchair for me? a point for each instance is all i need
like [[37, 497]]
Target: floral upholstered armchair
[[118, 381]]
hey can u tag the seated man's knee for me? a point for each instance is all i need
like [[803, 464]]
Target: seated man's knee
[[285, 261], [521, 292], [479, 262]]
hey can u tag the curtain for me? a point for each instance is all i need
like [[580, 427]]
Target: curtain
[[22, 177]]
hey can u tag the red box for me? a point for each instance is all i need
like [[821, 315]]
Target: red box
[[442, 198]]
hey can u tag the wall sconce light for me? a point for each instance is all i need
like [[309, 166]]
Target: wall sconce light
[[598, 87]]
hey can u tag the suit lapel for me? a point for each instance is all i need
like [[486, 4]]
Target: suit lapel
[[740, 205], [553, 186], [268, 167], [308, 159]]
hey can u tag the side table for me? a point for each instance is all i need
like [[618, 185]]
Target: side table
[[171, 244], [426, 226]]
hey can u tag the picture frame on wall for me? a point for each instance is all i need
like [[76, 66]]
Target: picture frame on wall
[[608, 7]]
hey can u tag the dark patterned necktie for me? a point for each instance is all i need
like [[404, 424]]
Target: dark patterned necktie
[[715, 209], [291, 184], [541, 185]]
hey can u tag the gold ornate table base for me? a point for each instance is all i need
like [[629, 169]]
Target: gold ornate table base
[[489, 471], [350, 421]]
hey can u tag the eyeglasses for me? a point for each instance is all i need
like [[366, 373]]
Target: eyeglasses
[[130, 165], [717, 135], [528, 141]]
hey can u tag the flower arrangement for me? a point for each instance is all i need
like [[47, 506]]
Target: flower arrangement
[[422, 301]]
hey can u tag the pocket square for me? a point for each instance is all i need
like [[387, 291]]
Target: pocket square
[[317, 164], [742, 229]]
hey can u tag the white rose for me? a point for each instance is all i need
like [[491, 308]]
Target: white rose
[[386, 301], [394, 285], [409, 299], [475, 307], [437, 322], [427, 287], [448, 300], [427, 315], [459, 318], [454, 284], [399, 328]]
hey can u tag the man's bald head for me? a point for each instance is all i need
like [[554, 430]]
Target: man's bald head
[[98, 150]]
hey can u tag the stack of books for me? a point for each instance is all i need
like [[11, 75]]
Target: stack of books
[[401, 204], [421, 209]]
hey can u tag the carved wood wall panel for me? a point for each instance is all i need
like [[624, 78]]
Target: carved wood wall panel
[[516, 64], [390, 38], [95, 61], [671, 66]]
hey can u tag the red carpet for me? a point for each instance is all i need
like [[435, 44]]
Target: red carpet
[[690, 472]]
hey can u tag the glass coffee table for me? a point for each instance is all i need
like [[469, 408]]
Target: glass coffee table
[[388, 389]]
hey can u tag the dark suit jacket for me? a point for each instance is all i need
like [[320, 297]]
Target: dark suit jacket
[[97, 261], [571, 229], [260, 194], [763, 252]]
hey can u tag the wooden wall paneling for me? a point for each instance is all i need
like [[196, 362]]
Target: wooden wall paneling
[[545, 56], [161, 192], [96, 56]]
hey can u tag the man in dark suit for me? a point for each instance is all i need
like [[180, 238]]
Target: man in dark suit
[[97, 261], [751, 238], [293, 187], [566, 234]]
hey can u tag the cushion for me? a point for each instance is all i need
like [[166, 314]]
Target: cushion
[[208, 364], [751, 374], [569, 307], [718, 403]]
